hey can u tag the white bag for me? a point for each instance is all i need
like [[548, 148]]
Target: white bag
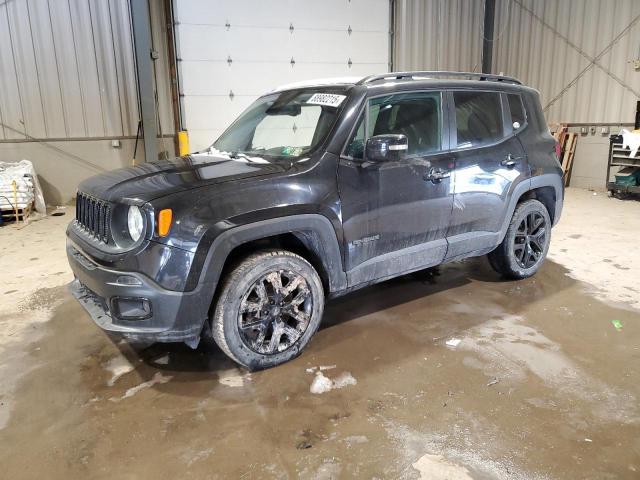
[[27, 186]]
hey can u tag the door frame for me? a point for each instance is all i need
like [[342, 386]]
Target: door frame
[[416, 257], [445, 111]]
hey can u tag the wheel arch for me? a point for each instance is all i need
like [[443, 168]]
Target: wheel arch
[[547, 188], [545, 195], [311, 236]]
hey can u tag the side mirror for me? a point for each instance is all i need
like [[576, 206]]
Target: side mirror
[[386, 148]]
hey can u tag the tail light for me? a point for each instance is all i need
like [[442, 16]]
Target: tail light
[[558, 149]]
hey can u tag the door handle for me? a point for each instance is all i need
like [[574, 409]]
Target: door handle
[[510, 161], [436, 175]]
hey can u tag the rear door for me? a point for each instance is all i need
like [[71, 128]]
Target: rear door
[[489, 163]]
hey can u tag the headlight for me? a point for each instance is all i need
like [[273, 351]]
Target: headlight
[[135, 222]]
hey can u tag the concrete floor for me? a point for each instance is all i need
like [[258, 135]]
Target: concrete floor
[[542, 385]]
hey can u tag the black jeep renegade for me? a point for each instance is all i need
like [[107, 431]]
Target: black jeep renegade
[[316, 190]]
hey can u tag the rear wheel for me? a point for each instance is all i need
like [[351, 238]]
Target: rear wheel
[[526, 243], [269, 307]]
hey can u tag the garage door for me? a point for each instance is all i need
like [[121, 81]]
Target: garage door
[[229, 53]]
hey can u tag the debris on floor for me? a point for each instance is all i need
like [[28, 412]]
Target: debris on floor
[[233, 378], [492, 382], [322, 384], [453, 342], [162, 360], [158, 378], [437, 467], [117, 366], [321, 368], [617, 324], [59, 211]]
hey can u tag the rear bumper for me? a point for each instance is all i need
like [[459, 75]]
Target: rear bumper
[[173, 316]]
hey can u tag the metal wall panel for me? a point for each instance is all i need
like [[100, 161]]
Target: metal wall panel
[[67, 69], [232, 52], [106, 65], [125, 64], [51, 97], [63, 49], [29, 92], [10, 104], [544, 43], [548, 44], [87, 68], [161, 68], [438, 35]]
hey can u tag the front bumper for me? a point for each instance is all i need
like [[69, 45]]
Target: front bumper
[[174, 316]]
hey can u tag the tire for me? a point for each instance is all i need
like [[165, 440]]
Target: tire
[[526, 243], [278, 299]]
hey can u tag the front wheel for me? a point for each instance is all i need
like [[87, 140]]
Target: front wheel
[[526, 243], [268, 309]]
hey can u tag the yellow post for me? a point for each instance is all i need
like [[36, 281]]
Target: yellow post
[[183, 142]]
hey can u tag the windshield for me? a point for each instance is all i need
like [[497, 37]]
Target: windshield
[[284, 125]]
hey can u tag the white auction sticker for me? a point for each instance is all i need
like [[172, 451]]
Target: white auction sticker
[[328, 99]]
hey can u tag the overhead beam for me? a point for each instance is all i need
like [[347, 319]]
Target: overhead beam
[[144, 57], [487, 37]]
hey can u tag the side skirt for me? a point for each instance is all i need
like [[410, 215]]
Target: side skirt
[[397, 263]]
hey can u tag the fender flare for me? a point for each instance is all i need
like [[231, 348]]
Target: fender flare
[[545, 180], [319, 234]]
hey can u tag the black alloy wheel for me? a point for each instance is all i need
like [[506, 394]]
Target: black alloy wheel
[[275, 312]]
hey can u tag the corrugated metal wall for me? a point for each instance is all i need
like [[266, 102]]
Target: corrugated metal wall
[[438, 35], [68, 86], [161, 69], [545, 43], [67, 69], [548, 44]]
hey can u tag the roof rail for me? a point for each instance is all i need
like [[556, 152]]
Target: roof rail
[[439, 74]]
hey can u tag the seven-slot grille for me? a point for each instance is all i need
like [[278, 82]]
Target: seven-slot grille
[[94, 216]]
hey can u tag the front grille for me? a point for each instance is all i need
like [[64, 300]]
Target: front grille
[[94, 216]]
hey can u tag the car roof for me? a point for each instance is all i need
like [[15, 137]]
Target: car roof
[[416, 79], [319, 82]]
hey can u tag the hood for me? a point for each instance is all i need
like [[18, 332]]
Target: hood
[[156, 179]]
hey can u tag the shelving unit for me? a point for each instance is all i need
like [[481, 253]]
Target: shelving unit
[[619, 157]]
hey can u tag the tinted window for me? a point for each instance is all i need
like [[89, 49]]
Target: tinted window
[[478, 118], [415, 115], [517, 111]]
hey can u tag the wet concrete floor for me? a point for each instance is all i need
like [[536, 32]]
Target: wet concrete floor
[[542, 385]]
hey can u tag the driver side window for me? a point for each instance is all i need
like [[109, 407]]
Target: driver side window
[[416, 115]]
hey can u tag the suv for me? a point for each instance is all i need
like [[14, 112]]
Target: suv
[[315, 190]]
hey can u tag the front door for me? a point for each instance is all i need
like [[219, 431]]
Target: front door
[[489, 162], [396, 214]]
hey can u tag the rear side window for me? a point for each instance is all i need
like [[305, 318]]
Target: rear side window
[[478, 118], [517, 111]]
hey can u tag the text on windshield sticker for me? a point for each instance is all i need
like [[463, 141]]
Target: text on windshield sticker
[[327, 99]]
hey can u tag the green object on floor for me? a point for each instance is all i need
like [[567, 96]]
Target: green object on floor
[[628, 176], [617, 324]]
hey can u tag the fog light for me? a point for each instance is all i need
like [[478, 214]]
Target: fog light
[[130, 308], [126, 281]]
